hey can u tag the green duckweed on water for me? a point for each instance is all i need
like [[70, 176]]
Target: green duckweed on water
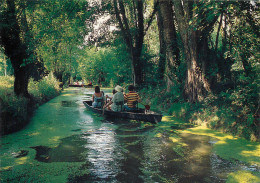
[[226, 146], [234, 149], [243, 177], [230, 147], [67, 143]]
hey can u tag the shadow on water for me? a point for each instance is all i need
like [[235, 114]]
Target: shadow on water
[[71, 149], [69, 103]]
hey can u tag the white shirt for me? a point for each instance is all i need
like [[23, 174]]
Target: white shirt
[[118, 97]]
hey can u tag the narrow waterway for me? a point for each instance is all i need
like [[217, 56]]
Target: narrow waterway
[[64, 142]]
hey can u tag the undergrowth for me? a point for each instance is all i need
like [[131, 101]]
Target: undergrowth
[[233, 111], [15, 110]]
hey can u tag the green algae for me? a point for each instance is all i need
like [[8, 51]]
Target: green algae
[[224, 145], [233, 148], [151, 152], [230, 147], [243, 177]]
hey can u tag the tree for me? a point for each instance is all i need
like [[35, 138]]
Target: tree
[[133, 31], [31, 30], [195, 21], [15, 46], [245, 35], [162, 52], [168, 42], [61, 36]]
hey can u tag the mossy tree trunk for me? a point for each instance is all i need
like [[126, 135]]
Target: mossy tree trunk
[[194, 39]]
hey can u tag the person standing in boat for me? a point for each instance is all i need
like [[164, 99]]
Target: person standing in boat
[[117, 102], [131, 99], [98, 98]]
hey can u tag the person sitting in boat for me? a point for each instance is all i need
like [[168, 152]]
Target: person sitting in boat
[[110, 98], [89, 83], [117, 102], [131, 98], [98, 98]]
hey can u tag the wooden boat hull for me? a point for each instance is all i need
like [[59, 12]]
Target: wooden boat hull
[[139, 115]]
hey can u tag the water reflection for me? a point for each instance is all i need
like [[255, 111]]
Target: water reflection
[[132, 153], [67, 143], [101, 144]]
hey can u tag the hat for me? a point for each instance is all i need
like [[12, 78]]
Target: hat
[[118, 88]]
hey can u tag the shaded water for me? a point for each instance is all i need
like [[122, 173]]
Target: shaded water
[[64, 142]]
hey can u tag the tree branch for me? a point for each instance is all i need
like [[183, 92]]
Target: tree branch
[[152, 16]]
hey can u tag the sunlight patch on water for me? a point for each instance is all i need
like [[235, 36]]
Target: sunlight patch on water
[[243, 177], [166, 119], [21, 160], [55, 139], [158, 135], [230, 147], [67, 94], [33, 134], [5, 168]]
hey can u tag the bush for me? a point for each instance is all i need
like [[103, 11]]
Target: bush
[[15, 111], [44, 90], [16, 106]]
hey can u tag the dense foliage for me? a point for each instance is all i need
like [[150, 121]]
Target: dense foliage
[[197, 59]]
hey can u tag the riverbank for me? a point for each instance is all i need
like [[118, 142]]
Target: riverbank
[[15, 111], [230, 112], [233, 130]]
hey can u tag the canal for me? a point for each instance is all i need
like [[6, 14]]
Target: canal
[[64, 142]]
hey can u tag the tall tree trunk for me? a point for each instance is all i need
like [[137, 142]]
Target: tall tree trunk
[[194, 89], [169, 36], [14, 48], [162, 53], [139, 40], [196, 84], [21, 82], [133, 39], [224, 39]]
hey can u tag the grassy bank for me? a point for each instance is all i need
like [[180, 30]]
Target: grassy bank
[[15, 111], [233, 112]]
